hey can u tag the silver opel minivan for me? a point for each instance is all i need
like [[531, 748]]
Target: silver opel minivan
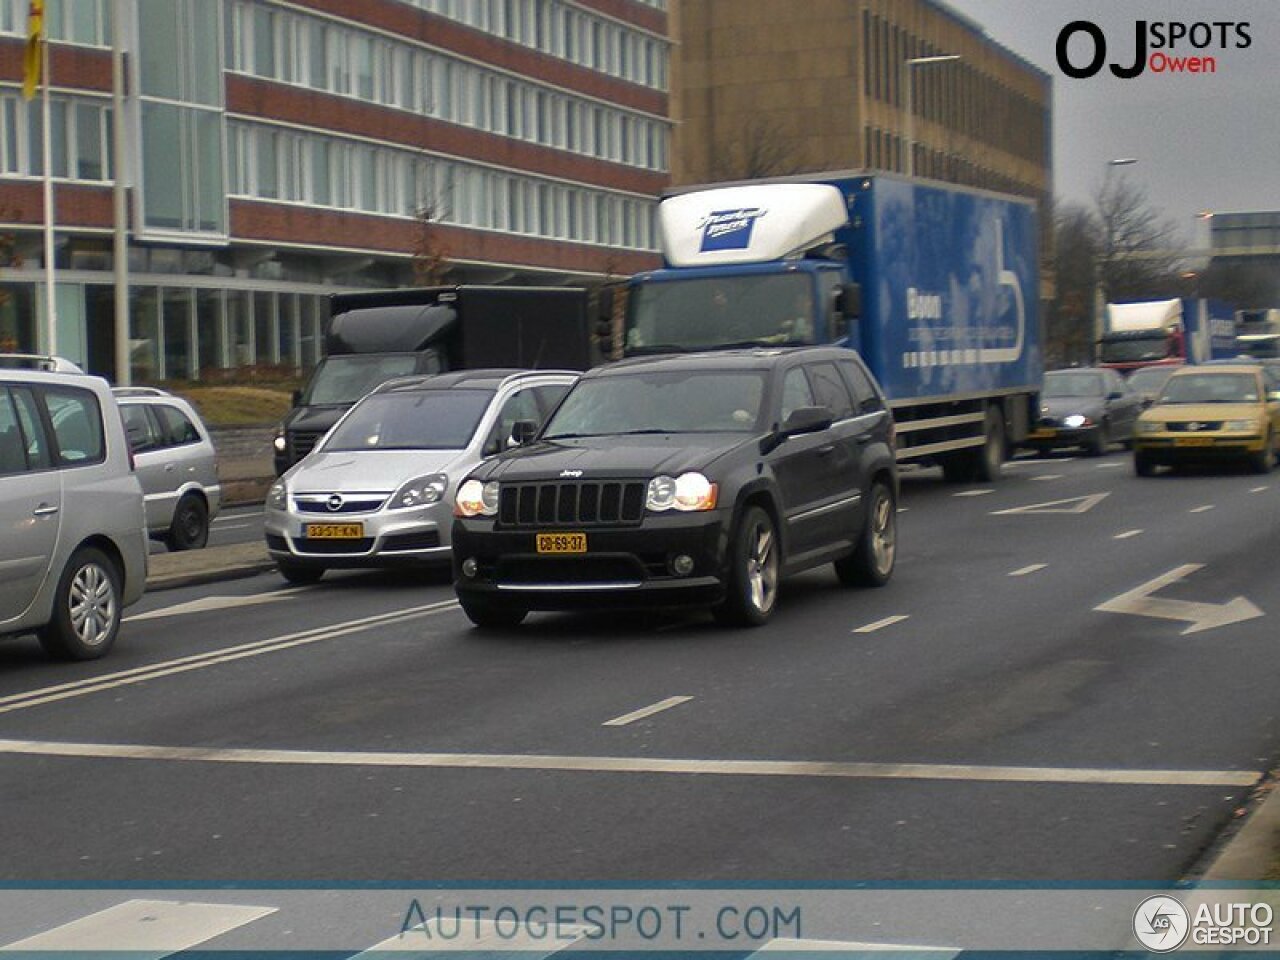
[[378, 489], [73, 547]]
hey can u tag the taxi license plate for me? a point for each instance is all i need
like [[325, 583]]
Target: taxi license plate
[[1042, 434], [561, 543], [1193, 442], [334, 531]]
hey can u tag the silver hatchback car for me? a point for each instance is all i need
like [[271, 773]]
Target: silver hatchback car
[[73, 551], [177, 465], [378, 489]]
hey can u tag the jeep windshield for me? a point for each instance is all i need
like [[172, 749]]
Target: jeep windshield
[[345, 378], [660, 403], [772, 309], [411, 420]]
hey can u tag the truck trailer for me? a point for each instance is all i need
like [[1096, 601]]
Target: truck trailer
[[1150, 333], [935, 285], [374, 336]]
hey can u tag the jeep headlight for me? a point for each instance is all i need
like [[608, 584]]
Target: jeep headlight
[[420, 492], [278, 441], [1150, 426], [687, 492], [476, 499], [278, 496], [1240, 426]]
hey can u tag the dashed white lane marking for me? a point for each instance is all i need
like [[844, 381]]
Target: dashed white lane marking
[[1260, 489], [1048, 476], [881, 624], [153, 928], [79, 688], [1204, 509], [1110, 465], [848, 770], [648, 711], [237, 526], [1033, 568], [1127, 534], [973, 493]]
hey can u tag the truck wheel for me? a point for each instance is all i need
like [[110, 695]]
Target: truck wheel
[[1142, 464], [487, 614], [989, 458], [754, 566], [872, 560], [190, 527], [299, 573], [86, 608]]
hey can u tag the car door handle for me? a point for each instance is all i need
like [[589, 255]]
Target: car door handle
[[44, 510], [863, 439], [826, 448]]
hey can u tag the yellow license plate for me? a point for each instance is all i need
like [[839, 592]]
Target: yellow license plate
[[1193, 442], [561, 543], [334, 531], [1043, 434]]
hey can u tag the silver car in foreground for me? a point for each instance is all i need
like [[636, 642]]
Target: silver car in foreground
[[378, 489], [176, 463], [73, 550]]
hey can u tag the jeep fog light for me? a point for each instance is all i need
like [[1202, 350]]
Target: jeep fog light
[[682, 565], [469, 567]]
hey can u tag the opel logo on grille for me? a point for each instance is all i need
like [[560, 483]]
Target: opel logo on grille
[[1195, 425], [335, 502]]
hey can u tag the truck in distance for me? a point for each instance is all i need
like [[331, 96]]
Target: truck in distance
[[1172, 332]]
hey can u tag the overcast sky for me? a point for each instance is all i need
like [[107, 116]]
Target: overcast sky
[[1203, 142]]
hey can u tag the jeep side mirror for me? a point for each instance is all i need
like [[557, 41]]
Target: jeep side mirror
[[807, 420], [523, 432]]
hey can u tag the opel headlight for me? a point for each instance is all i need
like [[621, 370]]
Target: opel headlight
[[278, 496], [421, 492], [687, 492], [476, 499], [1150, 426], [1240, 426], [1075, 421]]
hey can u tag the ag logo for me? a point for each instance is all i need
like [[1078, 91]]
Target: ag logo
[[1161, 924]]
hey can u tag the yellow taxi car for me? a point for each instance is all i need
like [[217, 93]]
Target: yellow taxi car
[[1211, 413]]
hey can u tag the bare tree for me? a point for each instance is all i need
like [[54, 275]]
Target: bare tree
[[760, 148], [432, 258], [1069, 328], [1138, 252]]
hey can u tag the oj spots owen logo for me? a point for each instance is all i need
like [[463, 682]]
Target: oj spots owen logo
[[1159, 47]]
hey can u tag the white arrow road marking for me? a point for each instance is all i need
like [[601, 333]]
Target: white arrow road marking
[[880, 624], [680, 766], [854, 949], [648, 711], [148, 929], [205, 604], [1202, 616], [1070, 505]]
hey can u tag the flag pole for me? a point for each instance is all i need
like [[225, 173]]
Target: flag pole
[[51, 306]]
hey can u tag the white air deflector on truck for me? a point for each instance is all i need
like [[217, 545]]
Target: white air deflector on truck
[[750, 224]]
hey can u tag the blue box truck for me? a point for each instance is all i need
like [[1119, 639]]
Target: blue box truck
[[935, 285]]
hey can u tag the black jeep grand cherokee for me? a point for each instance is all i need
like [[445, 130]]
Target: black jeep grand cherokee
[[698, 479]]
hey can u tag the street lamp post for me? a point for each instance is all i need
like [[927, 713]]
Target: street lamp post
[[909, 106]]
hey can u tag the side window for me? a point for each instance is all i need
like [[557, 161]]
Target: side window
[[139, 428], [176, 425], [831, 390], [521, 405], [796, 393], [13, 454], [77, 425], [865, 395], [549, 397], [34, 441]]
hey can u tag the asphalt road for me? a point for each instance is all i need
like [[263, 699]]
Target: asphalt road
[[976, 720]]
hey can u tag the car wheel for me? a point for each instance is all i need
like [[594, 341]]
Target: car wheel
[[300, 573], [1264, 459], [86, 608], [190, 527], [488, 614], [754, 571], [1097, 444], [871, 563], [1142, 465]]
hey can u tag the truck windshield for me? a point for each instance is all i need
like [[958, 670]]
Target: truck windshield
[[706, 312], [412, 420], [686, 402], [346, 378], [1136, 349]]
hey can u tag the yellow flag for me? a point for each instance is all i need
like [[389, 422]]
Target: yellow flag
[[34, 51]]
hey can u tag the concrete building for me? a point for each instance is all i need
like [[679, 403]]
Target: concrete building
[[281, 151], [762, 87]]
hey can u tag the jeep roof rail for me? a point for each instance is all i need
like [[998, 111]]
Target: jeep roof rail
[[38, 361], [140, 392]]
